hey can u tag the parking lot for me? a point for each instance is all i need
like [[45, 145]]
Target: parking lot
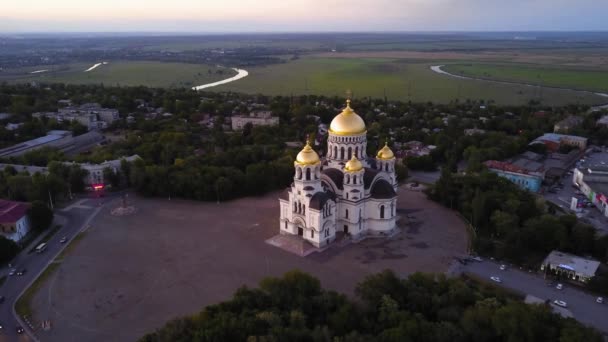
[[561, 194], [129, 275], [582, 305]]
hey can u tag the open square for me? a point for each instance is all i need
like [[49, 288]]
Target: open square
[[131, 274]]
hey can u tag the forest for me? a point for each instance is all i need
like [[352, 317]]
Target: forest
[[422, 307]]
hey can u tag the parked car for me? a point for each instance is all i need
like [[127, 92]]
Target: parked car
[[600, 300], [21, 272], [560, 303], [20, 330], [476, 258], [63, 239], [12, 272], [503, 267], [559, 286], [496, 279]]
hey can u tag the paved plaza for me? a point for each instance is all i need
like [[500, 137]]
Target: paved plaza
[[130, 274]]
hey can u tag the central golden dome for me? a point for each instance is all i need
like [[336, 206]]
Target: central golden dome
[[347, 123], [353, 165], [307, 156], [385, 153]]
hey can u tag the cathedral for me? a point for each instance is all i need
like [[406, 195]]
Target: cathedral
[[346, 192]]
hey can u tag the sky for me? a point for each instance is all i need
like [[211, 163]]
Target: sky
[[301, 15]]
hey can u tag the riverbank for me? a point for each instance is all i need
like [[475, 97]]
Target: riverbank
[[438, 69], [241, 73]]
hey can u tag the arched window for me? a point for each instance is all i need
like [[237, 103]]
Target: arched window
[[350, 152], [357, 152], [355, 179], [312, 233], [285, 225], [341, 152], [307, 174], [295, 207], [347, 179], [335, 152], [346, 212], [304, 209], [381, 211], [386, 167]]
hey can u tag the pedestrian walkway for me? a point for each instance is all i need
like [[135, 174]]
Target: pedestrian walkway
[[78, 205]]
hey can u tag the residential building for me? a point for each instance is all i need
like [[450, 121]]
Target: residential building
[[415, 149], [525, 178], [14, 222], [95, 171], [256, 118], [566, 125], [13, 126], [90, 115], [571, 266], [474, 131], [554, 141], [603, 121]]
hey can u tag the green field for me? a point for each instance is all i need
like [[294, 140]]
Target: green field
[[124, 73], [549, 76], [398, 79]]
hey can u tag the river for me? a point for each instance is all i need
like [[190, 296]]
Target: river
[[437, 69], [241, 73], [95, 66]]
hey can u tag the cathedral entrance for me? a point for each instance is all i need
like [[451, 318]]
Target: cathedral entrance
[[300, 231], [345, 229]]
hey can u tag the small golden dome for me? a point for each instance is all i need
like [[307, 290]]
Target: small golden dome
[[347, 123], [385, 152], [353, 165], [307, 156]]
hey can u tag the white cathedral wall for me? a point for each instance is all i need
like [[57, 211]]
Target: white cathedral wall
[[375, 224]]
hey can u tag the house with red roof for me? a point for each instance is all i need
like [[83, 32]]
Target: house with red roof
[[14, 222]]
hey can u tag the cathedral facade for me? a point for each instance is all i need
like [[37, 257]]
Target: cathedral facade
[[347, 192]]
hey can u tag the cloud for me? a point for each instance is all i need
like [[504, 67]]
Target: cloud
[[303, 15]]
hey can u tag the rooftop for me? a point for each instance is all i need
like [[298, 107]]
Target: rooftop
[[571, 262], [11, 212], [555, 137]]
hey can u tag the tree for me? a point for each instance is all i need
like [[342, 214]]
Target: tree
[[111, 177], [8, 249], [40, 216]]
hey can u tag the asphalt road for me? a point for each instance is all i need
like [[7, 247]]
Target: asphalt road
[[72, 220], [580, 304]]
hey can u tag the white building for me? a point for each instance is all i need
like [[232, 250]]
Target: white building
[[14, 223], [256, 118], [571, 266], [95, 171], [90, 115], [347, 193]]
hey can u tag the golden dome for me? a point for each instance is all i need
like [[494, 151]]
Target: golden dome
[[385, 152], [307, 156], [353, 165], [347, 123]]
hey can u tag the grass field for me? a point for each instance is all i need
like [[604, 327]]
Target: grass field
[[124, 73], [548, 76], [398, 79]]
